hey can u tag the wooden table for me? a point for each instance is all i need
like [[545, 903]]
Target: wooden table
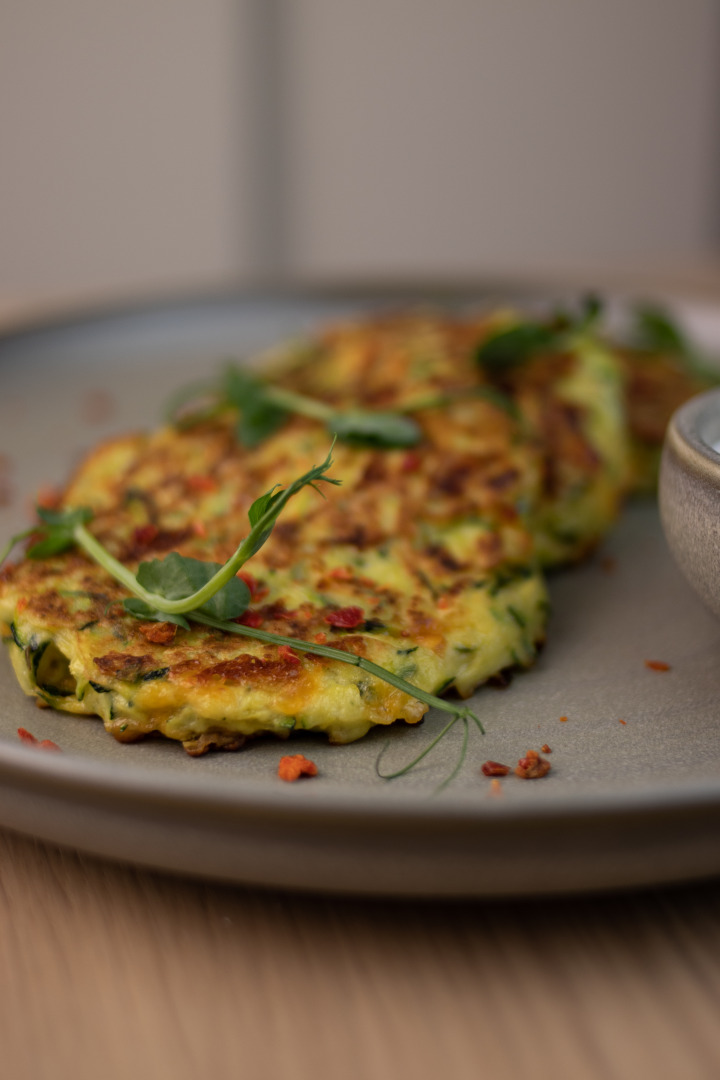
[[108, 972]]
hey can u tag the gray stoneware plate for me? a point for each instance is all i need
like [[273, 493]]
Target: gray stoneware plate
[[625, 804]]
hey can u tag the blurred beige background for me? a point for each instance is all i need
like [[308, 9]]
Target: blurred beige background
[[159, 144]]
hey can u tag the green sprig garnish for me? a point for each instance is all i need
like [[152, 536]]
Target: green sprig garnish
[[181, 590], [262, 408], [465, 715], [656, 331], [514, 345]]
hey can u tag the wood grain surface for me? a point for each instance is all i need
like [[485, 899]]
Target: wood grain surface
[[113, 972], [109, 972]]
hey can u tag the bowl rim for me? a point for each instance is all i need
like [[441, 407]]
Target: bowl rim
[[694, 430]]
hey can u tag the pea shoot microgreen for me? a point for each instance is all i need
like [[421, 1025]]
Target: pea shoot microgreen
[[511, 346], [262, 408], [656, 331], [182, 590], [464, 715]]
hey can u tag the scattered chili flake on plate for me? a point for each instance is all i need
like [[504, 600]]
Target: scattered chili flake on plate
[[42, 744], [657, 665], [494, 768], [623, 722], [532, 766], [546, 749], [563, 719], [293, 766]]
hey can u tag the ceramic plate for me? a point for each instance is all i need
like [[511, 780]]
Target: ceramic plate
[[634, 792]]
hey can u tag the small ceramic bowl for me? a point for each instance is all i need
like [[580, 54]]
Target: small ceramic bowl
[[690, 493]]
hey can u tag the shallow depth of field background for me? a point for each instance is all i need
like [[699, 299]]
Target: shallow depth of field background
[[158, 144]]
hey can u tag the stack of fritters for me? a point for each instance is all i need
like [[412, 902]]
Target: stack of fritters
[[426, 560]]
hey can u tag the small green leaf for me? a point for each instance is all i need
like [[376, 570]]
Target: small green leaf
[[176, 577], [57, 530], [258, 416], [134, 606], [65, 518], [513, 346], [383, 430], [656, 331], [263, 504], [516, 344]]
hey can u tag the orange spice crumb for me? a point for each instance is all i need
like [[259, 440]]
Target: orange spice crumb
[[623, 722], [202, 483], [495, 787], [287, 654], [293, 766], [657, 665], [341, 573], [532, 766], [563, 719], [160, 633], [443, 602], [546, 749], [22, 604], [320, 638], [199, 528]]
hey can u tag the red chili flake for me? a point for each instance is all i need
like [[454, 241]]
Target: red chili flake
[[411, 462], [443, 602], [346, 618], [287, 654], [22, 604], [546, 749], [657, 665], [495, 787], [249, 580], [320, 638], [293, 766], [341, 573], [42, 744], [160, 633], [202, 483], [563, 719], [252, 619], [623, 722], [49, 498], [145, 534], [532, 766], [199, 528], [494, 768]]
